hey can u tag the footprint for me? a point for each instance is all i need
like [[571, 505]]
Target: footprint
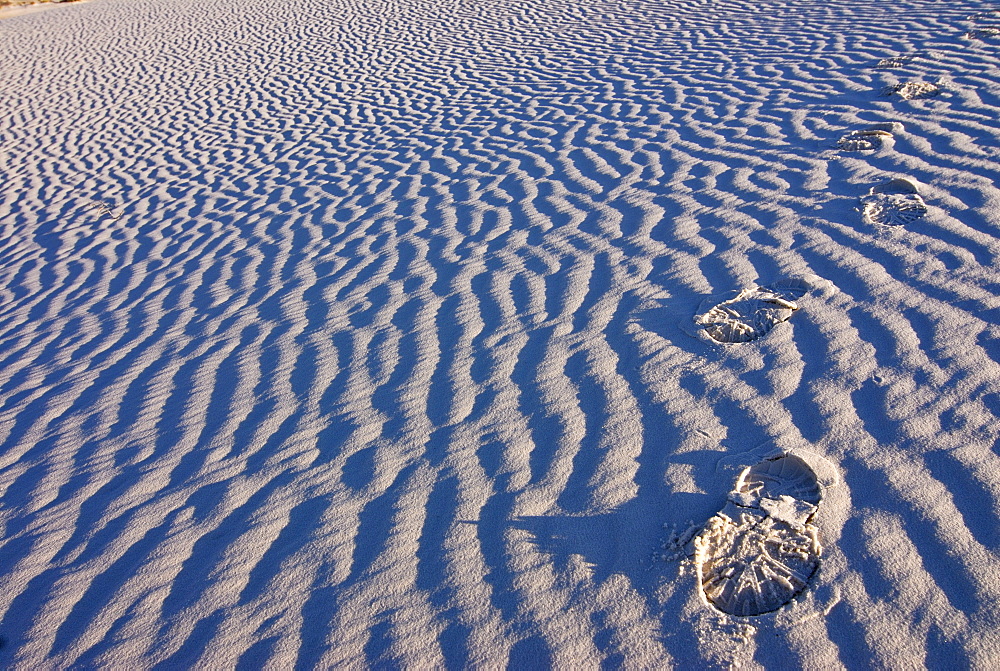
[[986, 33], [752, 312], [912, 90], [893, 203], [894, 62], [763, 549], [871, 138]]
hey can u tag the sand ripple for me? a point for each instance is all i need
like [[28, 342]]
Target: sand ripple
[[348, 333]]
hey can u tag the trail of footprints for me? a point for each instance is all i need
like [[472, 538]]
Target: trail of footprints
[[762, 549], [752, 312], [987, 26]]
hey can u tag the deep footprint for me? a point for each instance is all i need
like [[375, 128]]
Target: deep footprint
[[762, 550], [751, 313], [896, 202]]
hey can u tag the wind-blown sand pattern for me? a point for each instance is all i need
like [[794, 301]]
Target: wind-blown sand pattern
[[348, 334]]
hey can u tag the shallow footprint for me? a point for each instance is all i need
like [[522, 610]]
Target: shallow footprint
[[762, 550], [894, 62], [893, 203], [752, 312], [986, 33]]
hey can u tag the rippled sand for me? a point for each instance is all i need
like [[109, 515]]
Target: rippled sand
[[363, 333]]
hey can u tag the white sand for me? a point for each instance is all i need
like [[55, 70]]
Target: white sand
[[346, 333], [18, 9]]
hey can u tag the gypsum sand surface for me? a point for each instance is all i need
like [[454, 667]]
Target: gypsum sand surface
[[22, 3], [355, 334], [12, 8]]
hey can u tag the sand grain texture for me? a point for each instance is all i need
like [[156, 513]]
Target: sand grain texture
[[346, 334]]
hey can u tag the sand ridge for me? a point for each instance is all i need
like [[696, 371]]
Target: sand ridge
[[352, 334]]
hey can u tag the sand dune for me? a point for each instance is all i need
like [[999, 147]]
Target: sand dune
[[359, 333]]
